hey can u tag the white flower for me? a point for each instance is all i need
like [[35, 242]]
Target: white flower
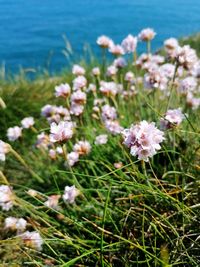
[[62, 90], [155, 78], [113, 127], [171, 43], [104, 41], [15, 224], [78, 70], [27, 122], [62, 131], [79, 82], [129, 76], [101, 139], [168, 70], [173, 117], [116, 50], [111, 71], [48, 110], [96, 71], [109, 113], [129, 44], [120, 62], [147, 34], [72, 158], [82, 147], [108, 88], [78, 97], [4, 149], [6, 197], [143, 139], [70, 193], [32, 240], [186, 57], [14, 133], [192, 101], [52, 202], [76, 109], [188, 85]]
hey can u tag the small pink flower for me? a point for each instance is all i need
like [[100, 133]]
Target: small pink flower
[[62, 131], [82, 148], [129, 44], [62, 90], [78, 70], [147, 34], [14, 133], [104, 41], [70, 193], [27, 122]]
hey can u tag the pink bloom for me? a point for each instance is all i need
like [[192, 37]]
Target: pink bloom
[[113, 127], [14, 133], [70, 193], [116, 50], [6, 197], [82, 148], [27, 122], [129, 44], [62, 131], [173, 117], [147, 34], [72, 158], [79, 83], [101, 139], [4, 149], [32, 240], [78, 70], [62, 90], [104, 41]]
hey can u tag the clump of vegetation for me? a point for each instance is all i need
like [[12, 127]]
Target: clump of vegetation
[[100, 167]]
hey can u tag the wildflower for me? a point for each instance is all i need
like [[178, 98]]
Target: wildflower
[[186, 57], [27, 122], [155, 79], [129, 44], [76, 109], [91, 88], [70, 193], [147, 34], [109, 112], [96, 71], [6, 197], [101, 139], [192, 101], [116, 50], [118, 165], [82, 147], [78, 70], [14, 133], [52, 154], [62, 131], [171, 45], [15, 224], [188, 85], [168, 70], [62, 90], [48, 110], [108, 88], [173, 117], [32, 240], [113, 127], [32, 193], [120, 62], [104, 41], [111, 71], [52, 201], [4, 149], [129, 76], [79, 83], [78, 97], [143, 139], [42, 141], [72, 158]]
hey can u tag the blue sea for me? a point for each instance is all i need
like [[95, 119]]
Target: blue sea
[[31, 30]]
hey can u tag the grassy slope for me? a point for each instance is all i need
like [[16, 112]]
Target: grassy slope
[[144, 225]]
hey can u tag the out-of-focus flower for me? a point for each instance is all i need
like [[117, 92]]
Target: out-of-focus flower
[[91, 88], [186, 57], [32, 240], [111, 71], [62, 90], [129, 76], [171, 45], [32, 192], [113, 127], [118, 165], [101, 139], [129, 44], [108, 88], [76, 109], [52, 153], [108, 113], [96, 71], [116, 50], [4, 149], [78, 70], [188, 85], [79, 82], [147, 34], [82, 148], [168, 70], [72, 158], [52, 201], [143, 139], [70, 193], [42, 141], [120, 62], [14, 133], [172, 118], [104, 41], [13, 223], [155, 79], [62, 131], [192, 101], [48, 110], [78, 97], [6, 197], [27, 122]]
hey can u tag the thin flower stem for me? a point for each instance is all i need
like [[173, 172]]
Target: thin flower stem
[[172, 85]]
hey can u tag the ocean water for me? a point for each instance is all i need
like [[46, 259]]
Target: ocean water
[[31, 30]]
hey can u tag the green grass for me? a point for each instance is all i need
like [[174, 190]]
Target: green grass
[[119, 219]]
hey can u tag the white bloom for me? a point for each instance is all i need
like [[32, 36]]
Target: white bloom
[[168, 70], [155, 79], [79, 83], [52, 201], [70, 193], [78, 97], [104, 41], [113, 127], [109, 112], [129, 76], [72, 158], [27, 122], [111, 71], [101, 139], [120, 62], [42, 141], [76, 109], [129, 44], [15, 224], [14, 133], [192, 101], [62, 90], [188, 85], [147, 34], [48, 110], [82, 147], [116, 50], [4, 149], [62, 131], [108, 88], [171, 43], [96, 71], [173, 117], [186, 57], [6, 197], [143, 139], [32, 240], [78, 70]]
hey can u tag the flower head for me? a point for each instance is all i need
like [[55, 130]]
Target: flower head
[[14, 133], [72, 158], [70, 193], [129, 44], [32, 240], [78, 70], [101, 139], [6, 197], [147, 34], [4, 149], [104, 41], [27, 122], [82, 148], [173, 117], [62, 90], [62, 131]]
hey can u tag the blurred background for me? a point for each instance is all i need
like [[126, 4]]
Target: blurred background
[[31, 31]]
